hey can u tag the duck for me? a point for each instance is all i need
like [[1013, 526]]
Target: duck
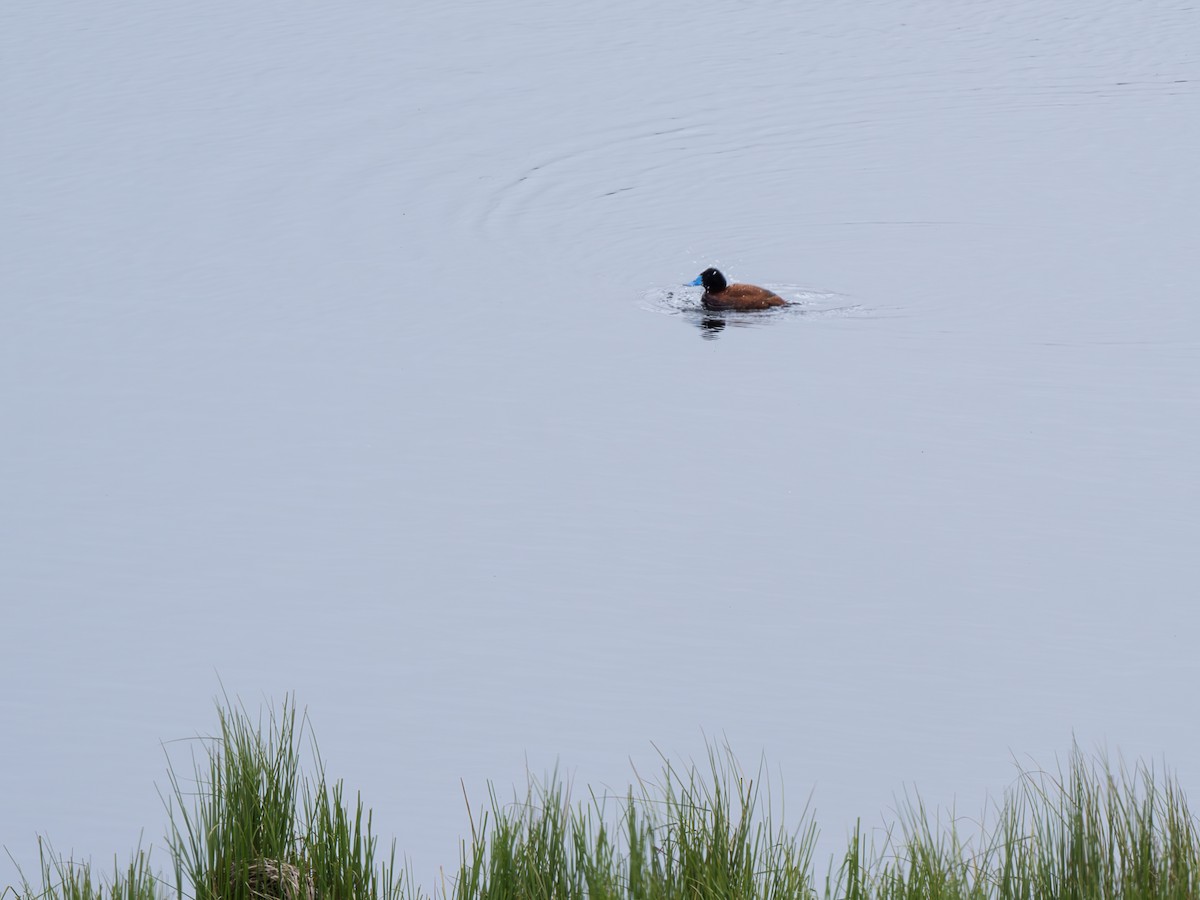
[[721, 295]]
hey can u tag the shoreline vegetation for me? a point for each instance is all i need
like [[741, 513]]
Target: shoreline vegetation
[[251, 824]]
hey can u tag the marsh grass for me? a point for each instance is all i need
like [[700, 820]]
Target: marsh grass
[[253, 826], [257, 820], [686, 836], [1085, 831], [1088, 830], [64, 879]]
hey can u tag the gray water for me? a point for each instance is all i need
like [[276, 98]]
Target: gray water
[[342, 352]]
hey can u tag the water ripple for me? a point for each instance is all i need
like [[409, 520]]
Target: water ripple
[[802, 303]]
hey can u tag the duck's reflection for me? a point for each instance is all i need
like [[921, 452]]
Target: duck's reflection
[[711, 327]]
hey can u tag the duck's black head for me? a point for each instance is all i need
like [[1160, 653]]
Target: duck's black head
[[712, 280]]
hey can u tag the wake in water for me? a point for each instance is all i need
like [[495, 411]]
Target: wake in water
[[685, 301]]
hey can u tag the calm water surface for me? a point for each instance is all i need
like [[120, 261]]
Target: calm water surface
[[342, 352]]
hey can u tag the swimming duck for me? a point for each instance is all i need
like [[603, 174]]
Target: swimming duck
[[720, 294]]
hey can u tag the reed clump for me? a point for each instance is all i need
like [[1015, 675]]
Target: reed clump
[[688, 836], [252, 823], [258, 828], [62, 878], [248, 823]]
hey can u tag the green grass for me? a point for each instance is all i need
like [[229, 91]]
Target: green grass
[[684, 836], [252, 822], [64, 879], [252, 805]]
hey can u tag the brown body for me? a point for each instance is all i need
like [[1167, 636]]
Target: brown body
[[741, 296], [720, 295]]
